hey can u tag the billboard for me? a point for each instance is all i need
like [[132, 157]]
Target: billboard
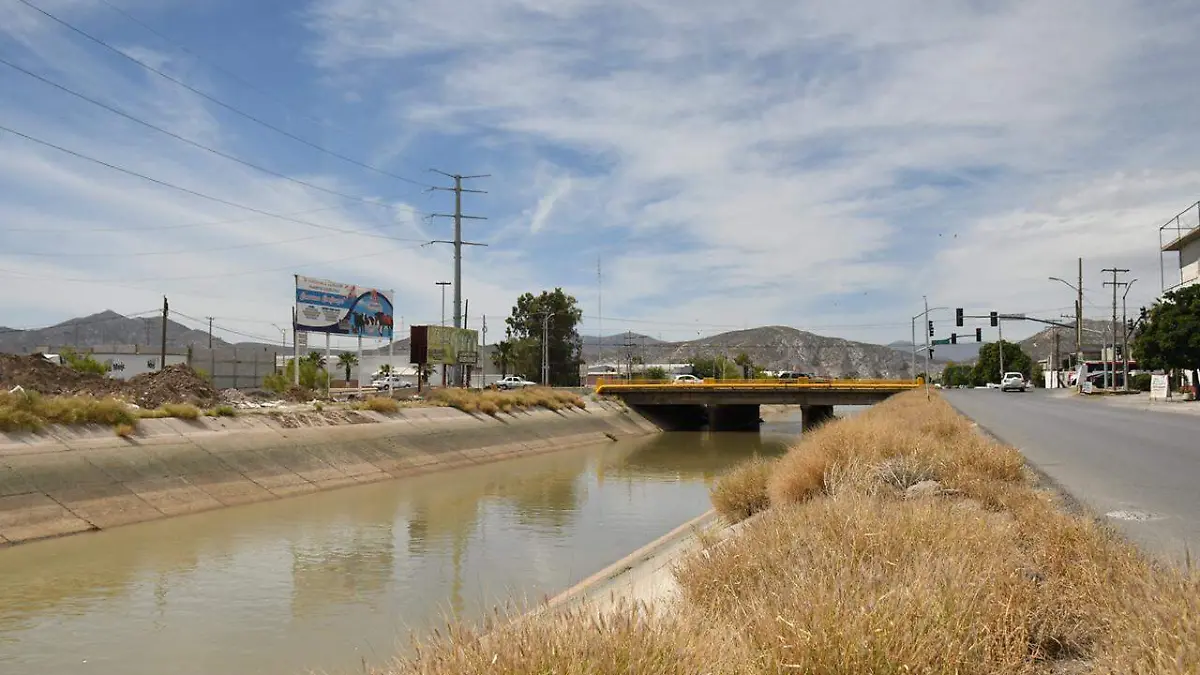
[[444, 345], [324, 306]]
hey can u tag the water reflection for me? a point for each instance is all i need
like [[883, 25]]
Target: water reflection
[[326, 580]]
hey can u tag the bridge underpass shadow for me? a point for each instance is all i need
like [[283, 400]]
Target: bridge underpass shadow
[[729, 417]]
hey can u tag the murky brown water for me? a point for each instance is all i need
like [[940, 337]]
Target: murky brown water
[[326, 581]]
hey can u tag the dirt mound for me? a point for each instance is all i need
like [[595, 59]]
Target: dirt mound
[[35, 373], [173, 384]]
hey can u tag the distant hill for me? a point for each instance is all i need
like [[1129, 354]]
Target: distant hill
[[104, 328], [963, 352], [780, 348]]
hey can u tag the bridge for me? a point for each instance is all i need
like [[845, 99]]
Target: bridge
[[733, 404]]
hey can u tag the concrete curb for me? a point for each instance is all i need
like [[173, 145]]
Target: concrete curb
[[76, 480]]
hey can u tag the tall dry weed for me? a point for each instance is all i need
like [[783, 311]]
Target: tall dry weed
[[742, 492]]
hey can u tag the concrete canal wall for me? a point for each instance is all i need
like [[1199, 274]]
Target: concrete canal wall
[[71, 480]]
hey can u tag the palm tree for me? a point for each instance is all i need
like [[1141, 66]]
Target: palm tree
[[503, 356], [385, 369], [347, 361]]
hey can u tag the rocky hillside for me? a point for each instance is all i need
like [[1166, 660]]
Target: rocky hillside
[[781, 348], [105, 328]]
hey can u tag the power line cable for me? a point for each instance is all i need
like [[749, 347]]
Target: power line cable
[[212, 64], [201, 146], [201, 195], [226, 329], [158, 228], [217, 101]]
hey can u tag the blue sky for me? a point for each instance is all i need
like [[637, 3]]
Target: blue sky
[[772, 162]]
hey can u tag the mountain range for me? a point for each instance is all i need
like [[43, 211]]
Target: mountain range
[[771, 347]]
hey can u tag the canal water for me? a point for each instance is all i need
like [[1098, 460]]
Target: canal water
[[333, 580]]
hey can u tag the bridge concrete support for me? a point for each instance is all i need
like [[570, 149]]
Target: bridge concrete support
[[742, 417], [675, 417], [813, 416]]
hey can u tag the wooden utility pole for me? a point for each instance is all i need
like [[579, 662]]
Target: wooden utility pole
[[162, 355], [210, 320], [1110, 380]]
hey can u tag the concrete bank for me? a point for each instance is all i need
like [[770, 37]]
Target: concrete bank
[[69, 480]]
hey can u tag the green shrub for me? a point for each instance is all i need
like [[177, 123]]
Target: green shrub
[[183, 411], [1140, 382], [29, 411], [85, 363], [223, 411]]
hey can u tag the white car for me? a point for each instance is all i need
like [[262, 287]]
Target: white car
[[1012, 382], [686, 379], [382, 383], [514, 382]]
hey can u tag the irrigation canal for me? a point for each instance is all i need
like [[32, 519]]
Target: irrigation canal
[[331, 580]]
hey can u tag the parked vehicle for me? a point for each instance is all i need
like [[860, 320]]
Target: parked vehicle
[[514, 382], [686, 379], [394, 381], [1013, 382], [795, 375]]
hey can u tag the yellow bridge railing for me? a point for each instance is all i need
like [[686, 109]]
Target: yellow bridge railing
[[618, 385]]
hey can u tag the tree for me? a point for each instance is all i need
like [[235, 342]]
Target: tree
[[987, 368], [503, 356], [347, 361], [656, 373], [386, 369], [957, 375], [715, 367], [1169, 338], [561, 314]]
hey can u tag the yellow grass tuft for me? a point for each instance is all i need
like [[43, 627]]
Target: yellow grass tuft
[[381, 404], [742, 492], [492, 402], [183, 411], [29, 411]]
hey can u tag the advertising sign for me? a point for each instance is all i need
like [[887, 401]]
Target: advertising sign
[[324, 306], [1158, 388], [444, 345]]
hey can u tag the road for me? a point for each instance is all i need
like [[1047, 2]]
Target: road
[[1138, 468]]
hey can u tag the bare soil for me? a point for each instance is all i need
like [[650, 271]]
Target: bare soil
[[174, 384]]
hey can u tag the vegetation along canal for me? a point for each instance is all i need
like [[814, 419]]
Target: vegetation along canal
[[330, 580]]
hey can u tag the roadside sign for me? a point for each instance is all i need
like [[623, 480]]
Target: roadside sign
[[1159, 391], [302, 340], [942, 342]]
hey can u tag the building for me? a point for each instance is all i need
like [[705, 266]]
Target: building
[[1180, 236]]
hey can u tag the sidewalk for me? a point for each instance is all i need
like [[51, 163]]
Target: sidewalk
[[1141, 401]]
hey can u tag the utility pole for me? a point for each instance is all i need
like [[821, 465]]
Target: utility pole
[[926, 300], [1111, 381], [1079, 318], [599, 314], [210, 320], [1054, 360], [546, 347], [1000, 331], [1125, 339], [162, 355], [458, 242]]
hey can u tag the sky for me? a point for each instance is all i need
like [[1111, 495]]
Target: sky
[[681, 168]]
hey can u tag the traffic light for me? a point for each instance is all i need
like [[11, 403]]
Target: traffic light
[[958, 317], [995, 317], [954, 338], [930, 329], [979, 335]]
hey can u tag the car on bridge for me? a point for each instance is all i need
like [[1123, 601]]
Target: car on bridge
[[686, 379], [1013, 382]]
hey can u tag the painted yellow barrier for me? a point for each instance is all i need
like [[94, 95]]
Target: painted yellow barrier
[[617, 386]]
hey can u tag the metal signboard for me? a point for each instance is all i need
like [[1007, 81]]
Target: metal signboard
[[1159, 389], [444, 345], [324, 306]]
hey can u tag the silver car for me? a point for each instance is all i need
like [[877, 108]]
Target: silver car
[[1012, 382]]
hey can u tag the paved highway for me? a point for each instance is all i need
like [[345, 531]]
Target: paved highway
[[1139, 468]]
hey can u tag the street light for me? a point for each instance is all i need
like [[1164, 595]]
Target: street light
[[1078, 315], [1125, 340]]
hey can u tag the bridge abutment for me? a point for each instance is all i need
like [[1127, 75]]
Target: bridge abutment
[[813, 416], [742, 417]]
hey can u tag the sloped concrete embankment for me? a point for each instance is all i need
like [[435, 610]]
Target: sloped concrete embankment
[[67, 481]]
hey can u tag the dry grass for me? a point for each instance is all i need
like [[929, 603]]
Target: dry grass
[[742, 492], [494, 402], [29, 411], [381, 404], [124, 430], [222, 411], [845, 573]]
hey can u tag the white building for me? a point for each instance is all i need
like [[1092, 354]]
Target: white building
[[1181, 235]]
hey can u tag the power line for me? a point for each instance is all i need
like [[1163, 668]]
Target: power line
[[136, 254], [215, 100], [262, 338], [195, 193], [196, 144], [124, 283], [212, 64], [158, 228]]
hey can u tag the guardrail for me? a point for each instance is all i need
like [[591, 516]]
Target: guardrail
[[763, 384]]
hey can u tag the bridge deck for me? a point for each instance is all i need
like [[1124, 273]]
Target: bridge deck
[[734, 392]]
